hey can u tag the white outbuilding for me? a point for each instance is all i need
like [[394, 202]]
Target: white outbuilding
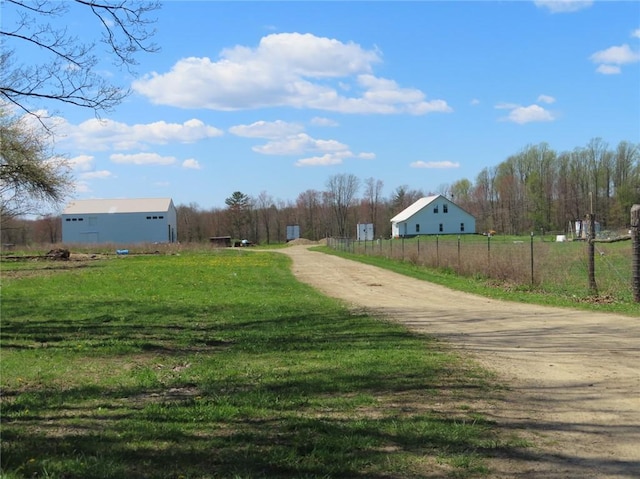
[[432, 215], [143, 220]]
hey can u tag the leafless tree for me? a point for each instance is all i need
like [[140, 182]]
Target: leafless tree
[[265, 207], [68, 72], [309, 204], [342, 191]]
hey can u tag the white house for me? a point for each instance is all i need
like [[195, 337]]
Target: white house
[[152, 220], [432, 215]]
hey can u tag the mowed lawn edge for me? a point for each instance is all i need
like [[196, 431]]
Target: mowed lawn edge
[[223, 365]]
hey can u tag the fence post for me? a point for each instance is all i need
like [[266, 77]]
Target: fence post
[[458, 254], [437, 251], [591, 253], [489, 255], [635, 260], [532, 280]]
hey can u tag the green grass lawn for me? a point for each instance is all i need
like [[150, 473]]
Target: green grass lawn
[[222, 365]]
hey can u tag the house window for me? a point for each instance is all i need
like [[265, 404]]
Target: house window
[[68, 219], [417, 228], [445, 208], [148, 217], [435, 209], [461, 227], [161, 217], [441, 228]]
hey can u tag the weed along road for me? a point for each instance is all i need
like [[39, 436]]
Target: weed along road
[[572, 377]]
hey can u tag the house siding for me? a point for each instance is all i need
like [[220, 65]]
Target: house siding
[[438, 216]]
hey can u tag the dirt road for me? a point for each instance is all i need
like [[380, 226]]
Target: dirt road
[[573, 376]]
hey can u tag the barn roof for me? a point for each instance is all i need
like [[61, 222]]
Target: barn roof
[[118, 205], [414, 208]]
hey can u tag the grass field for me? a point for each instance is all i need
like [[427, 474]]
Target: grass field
[[221, 365]]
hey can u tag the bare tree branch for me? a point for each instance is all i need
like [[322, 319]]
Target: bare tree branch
[[68, 74]]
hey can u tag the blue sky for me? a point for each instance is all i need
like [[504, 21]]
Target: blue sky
[[276, 97]]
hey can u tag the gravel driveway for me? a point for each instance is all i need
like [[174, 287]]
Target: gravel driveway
[[573, 376]]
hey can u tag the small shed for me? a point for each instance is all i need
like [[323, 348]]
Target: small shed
[[220, 241], [432, 215], [143, 220]]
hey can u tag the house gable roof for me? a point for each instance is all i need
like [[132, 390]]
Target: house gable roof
[[414, 208], [119, 205]]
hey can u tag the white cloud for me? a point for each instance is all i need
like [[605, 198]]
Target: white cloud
[[474, 102], [320, 121], [609, 69], [84, 166], [142, 159], [618, 55], [333, 158], [636, 33], [298, 144], [546, 99], [288, 139], [81, 163], [506, 106], [563, 6], [324, 160], [266, 129], [99, 175], [435, 164], [528, 114], [82, 187], [97, 134], [191, 164], [385, 96], [287, 70], [611, 59]]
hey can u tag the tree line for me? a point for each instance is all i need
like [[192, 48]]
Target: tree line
[[535, 190], [540, 189]]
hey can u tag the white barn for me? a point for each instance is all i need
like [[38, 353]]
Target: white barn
[[432, 215], [145, 220]]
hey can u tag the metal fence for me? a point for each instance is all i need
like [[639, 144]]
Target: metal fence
[[512, 262]]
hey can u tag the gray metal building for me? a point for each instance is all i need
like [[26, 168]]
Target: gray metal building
[[142, 220]]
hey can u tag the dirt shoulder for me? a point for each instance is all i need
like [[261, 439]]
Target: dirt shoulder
[[573, 376]]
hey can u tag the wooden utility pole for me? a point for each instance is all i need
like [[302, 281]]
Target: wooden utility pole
[[635, 260]]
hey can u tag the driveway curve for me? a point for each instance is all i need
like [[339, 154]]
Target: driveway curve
[[573, 377]]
